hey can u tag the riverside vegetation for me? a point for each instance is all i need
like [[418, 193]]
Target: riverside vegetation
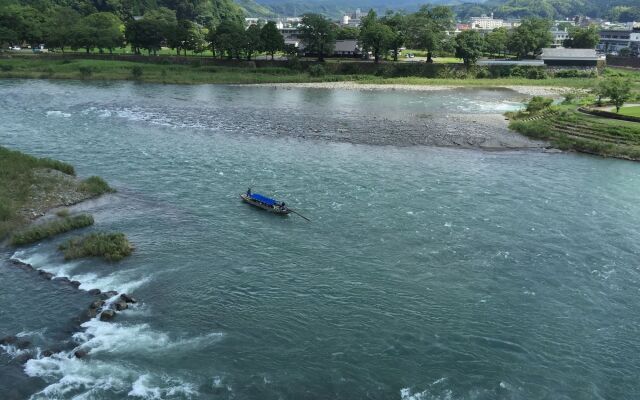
[[30, 183], [110, 246], [292, 71], [39, 232], [568, 127]]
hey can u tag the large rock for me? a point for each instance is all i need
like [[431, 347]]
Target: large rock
[[96, 304], [23, 358], [22, 265], [127, 298], [94, 292], [75, 284], [107, 315], [8, 340], [45, 274], [61, 279], [23, 344], [47, 353], [108, 295], [120, 305], [80, 353]]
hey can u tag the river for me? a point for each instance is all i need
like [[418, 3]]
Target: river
[[426, 272]]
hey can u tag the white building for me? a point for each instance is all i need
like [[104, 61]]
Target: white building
[[486, 23], [352, 19], [559, 36]]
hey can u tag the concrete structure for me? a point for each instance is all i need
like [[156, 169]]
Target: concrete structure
[[353, 19], [486, 23], [561, 57], [559, 36], [614, 40]]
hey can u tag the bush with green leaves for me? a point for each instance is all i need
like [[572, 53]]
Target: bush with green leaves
[[96, 186], [538, 103], [85, 71], [317, 71], [137, 72], [110, 246]]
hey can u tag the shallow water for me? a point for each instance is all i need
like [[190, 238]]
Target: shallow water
[[427, 273]]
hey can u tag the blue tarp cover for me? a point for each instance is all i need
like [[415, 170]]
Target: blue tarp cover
[[262, 199]]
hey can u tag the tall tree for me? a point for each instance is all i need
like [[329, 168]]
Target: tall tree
[[103, 30], [374, 35], [496, 41], [347, 33], [530, 37], [252, 41], [427, 28], [469, 46], [318, 34], [583, 38], [60, 26], [272, 39], [228, 38], [397, 22]]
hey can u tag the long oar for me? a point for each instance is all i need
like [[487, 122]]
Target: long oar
[[295, 212]]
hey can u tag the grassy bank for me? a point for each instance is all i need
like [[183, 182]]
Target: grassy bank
[[195, 73], [568, 129], [38, 232], [29, 186], [110, 246]]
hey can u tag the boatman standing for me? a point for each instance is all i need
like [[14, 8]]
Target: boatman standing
[[249, 192]]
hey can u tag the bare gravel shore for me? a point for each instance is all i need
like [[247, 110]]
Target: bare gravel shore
[[525, 90]]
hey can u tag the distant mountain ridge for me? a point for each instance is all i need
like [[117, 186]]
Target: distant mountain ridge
[[464, 8], [336, 8]]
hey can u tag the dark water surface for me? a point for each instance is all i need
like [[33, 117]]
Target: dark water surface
[[427, 273]]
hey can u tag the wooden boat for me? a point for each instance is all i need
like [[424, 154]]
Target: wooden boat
[[265, 203]]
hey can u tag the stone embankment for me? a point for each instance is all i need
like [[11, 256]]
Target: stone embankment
[[105, 306]]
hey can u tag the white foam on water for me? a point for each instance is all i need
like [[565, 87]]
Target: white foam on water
[[12, 351], [91, 377], [39, 333], [55, 113], [121, 282], [144, 388], [75, 377], [113, 337]]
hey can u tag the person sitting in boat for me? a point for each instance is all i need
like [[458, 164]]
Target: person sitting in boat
[[283, 206]]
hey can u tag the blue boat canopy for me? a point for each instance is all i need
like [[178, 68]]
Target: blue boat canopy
[[263, 199]]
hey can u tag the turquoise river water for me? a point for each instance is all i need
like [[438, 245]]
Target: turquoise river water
[[426, 272]]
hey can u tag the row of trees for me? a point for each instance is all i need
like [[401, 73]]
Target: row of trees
[[63, 27], [427, 29]]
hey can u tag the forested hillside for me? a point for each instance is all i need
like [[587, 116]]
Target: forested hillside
[[613, 9], [205, 12]]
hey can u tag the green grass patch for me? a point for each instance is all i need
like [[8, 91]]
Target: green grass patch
[[95, 186], [110, 246], [630, 111], [17, 183], [35, 67], [568, 129], [42, 231]]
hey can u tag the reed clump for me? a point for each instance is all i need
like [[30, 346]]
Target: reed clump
[[39, 232], [110, 246]]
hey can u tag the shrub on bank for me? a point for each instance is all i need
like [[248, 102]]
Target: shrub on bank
[[317, 71], [538, 103], [137, 72], [95, 185], [110, 246], [49, 229]]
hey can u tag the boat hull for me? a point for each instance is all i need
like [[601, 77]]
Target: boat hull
[[271, 209]]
